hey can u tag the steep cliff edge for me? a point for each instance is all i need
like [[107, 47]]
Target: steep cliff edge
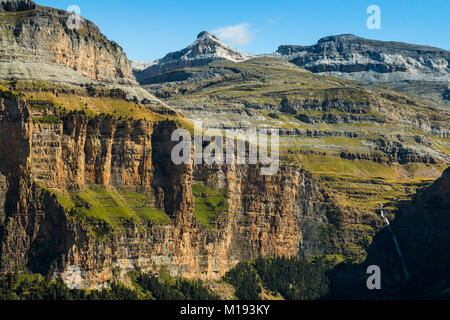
[[41, 43], [422, 228], [102, 194], [416, 70], [41, 37], [88, 191]]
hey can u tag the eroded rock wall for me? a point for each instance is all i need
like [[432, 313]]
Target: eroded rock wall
[[267, 215]]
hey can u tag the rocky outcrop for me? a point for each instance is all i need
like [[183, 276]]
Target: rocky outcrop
[[418, 71], [273, 215], [45, 44], [422, 227], [17, 5], [205, 49], [83, 49], [352, 57]]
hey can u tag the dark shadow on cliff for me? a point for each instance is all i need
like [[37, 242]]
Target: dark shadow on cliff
[[422, 227]]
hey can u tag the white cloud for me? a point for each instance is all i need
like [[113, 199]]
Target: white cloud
[[235, 35]]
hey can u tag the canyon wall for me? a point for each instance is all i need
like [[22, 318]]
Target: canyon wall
[[38, 41], [267, 215]]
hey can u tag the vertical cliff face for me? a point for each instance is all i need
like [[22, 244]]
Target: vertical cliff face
[[46, 155], [43, 43], [422, 228]]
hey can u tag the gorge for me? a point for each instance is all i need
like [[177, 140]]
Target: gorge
[[89, 193]]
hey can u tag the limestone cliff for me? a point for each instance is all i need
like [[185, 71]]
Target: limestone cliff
[[43, 160], [41, 43], [416, 70], [40, 37]]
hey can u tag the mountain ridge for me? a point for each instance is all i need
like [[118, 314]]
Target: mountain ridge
[[205, 49], [425, 69], [364, 55], [89, 191]]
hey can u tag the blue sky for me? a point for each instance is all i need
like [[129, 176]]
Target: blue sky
[[149, 29]]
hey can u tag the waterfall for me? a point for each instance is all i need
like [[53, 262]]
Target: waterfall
[[397, 247]]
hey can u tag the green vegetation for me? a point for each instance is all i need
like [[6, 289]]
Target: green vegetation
[[71, 99], [9, 94], [13, 17], [362, 185], [107, 210], [165, 287], [329, 164], [48, 119], [244, 277], [209, 204], [280, 278], [36, 287], [144, 287], [292, 278]]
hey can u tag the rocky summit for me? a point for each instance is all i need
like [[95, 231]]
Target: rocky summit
[[352, 57], [205, 49], [420, 71]]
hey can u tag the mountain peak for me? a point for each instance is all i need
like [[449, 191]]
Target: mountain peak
[[207, 48], [205, 35], [340, 37]]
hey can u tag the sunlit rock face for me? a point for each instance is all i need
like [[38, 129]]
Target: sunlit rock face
[[205, 49], [356, 58], [38, 42]]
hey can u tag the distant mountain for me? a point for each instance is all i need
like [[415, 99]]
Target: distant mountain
[[420, 71], [205, 49], [356, 58]]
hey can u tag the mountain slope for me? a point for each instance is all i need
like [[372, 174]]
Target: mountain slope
[[89, 192], [366, 60], [422, 226], [365, 146], [36, 43], [420, 71], [205, 49]]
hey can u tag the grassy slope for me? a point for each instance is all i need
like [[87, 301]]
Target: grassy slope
[[209, 204], [356, 187], [106, 209], [98, 205], [44, 95], [264, 83]]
